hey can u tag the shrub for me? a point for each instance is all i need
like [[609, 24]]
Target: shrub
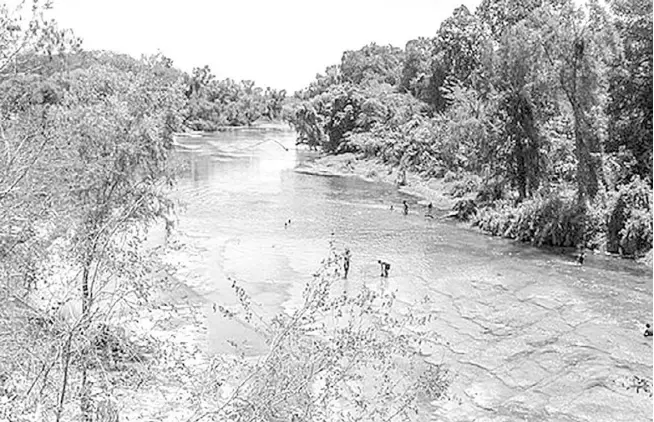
[[338, 356], [468, 184], [465, 209], [552, 220], [629, 219]]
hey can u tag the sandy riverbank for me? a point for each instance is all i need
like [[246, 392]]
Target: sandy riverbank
[[436, 191]]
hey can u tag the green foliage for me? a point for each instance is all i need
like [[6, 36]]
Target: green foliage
[[536, 98], [84, 167], [630, 219], [499, 15], [577, 47], [214, 103], [372, 63], [550, 220], [333, 119], [630, 90], [417, 68], [465, 209], [459, 46], [29, 39]]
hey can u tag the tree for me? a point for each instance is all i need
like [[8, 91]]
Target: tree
[[417, 67], [381, 64], [498, 15], [630, 89], [29, 43], [26, 36], [576, 45], [89, 149], [517, 82], [458, 47]]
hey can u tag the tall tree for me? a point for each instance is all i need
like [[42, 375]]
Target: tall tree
[[517, 83], [630, 104], [459, 46], [416, 71], [373, 62], [576, 45], [114, 136], [499, 15]]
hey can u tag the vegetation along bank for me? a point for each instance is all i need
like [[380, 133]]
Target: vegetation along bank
[[541, 113]]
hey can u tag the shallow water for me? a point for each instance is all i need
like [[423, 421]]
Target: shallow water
[[529, 334]]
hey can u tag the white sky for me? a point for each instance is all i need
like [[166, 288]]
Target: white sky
[[282, 44]]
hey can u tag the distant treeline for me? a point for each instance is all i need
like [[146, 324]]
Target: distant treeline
[[542, 109], [214, 103]]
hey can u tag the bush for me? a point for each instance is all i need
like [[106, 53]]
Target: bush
[[338, 356], [552, 220], [465, 209], [629, 219], [468, 184]]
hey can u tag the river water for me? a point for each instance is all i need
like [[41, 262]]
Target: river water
[[528, 334]]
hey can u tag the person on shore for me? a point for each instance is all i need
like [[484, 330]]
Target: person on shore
[[582, 256], [385, 267], [406, 207], [346, 261], [648, 330]]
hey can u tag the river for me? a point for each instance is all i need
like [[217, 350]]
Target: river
[[528, 334]]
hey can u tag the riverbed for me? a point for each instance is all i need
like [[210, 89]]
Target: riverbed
[[527, 333]]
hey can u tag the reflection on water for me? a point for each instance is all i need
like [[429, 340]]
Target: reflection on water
[[512, 316]]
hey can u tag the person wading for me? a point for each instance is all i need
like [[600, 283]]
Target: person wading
[[346, 261], [385, 266]]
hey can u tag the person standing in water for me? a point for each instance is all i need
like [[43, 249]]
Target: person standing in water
[[385, 266], [429, 208], [406, 207], [346, 261]]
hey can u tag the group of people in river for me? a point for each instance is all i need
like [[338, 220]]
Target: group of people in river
[[405, 209], [385, 266], [347, 256]]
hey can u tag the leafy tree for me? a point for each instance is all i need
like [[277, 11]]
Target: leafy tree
[[322, 83], [88, 155], [576, 45], [274, 101], [517, 83], [416, 71], [28, 43], [214, 103], [26, 36], [630, 90], [459, 45], [498, 15], [381, 64]]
